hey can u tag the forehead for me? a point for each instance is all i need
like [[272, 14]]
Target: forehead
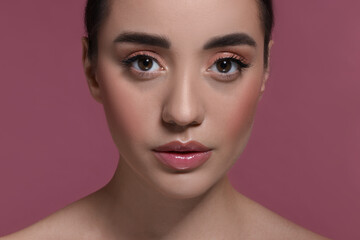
[[184, 22]]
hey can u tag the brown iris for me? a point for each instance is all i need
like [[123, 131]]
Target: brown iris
[[145, 63], [223, 66]]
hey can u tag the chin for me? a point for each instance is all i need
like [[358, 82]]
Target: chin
[[184, 185]]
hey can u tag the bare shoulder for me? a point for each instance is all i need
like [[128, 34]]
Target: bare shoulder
[[265, 224], [75, 221]]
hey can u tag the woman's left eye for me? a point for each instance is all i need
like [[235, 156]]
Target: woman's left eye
[[227, 66]]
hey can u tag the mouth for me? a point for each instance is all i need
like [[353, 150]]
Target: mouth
[[182, 156], [176, 146]]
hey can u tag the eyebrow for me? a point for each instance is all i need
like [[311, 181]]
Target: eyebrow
[[232, 39], [143, 38]]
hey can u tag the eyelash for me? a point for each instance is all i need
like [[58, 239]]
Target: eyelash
[[234, 58], [228, 77], [127, 62]]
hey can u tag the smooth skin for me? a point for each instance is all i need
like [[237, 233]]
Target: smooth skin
[[183, 96]]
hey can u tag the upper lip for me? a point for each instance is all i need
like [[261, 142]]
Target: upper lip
[[176, 146]]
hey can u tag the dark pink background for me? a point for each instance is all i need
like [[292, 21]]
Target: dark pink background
[[302, 160]]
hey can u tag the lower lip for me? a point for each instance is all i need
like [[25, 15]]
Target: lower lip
[[183, 161]]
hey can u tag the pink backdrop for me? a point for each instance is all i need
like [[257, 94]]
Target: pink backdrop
[[302, 160]]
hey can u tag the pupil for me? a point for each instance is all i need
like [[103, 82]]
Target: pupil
[[145, 63], [224, 66]]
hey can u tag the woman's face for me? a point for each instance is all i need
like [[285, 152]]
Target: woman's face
[[201, 82]]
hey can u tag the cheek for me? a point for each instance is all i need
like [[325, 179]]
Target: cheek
[[243, 113], [121, 114], [124, 114], [240, 113]]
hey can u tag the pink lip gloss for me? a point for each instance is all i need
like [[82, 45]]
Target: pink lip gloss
[[183, 160]]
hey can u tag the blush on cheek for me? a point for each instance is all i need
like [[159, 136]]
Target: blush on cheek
[[243, 111], [121, 104], [122, 116]]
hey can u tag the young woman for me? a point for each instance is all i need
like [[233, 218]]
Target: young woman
[[179, 82]]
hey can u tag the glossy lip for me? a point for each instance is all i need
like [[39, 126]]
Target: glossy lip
[[176, 146], [182, 156]]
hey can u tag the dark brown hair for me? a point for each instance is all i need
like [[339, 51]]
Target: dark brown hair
[[97, 10]]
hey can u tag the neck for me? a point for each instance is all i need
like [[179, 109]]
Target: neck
[[137, 210]]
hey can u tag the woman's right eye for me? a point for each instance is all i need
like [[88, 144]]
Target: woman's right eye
[[143, 63], [143, 66], [146, 64]]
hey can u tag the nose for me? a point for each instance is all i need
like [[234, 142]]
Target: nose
[[183, 106]]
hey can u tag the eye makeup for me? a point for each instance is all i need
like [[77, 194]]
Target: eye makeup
[[224, 66], [227, 66], [143, 65]]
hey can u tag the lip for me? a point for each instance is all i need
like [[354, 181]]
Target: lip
[[182, 156], [176, 146]]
